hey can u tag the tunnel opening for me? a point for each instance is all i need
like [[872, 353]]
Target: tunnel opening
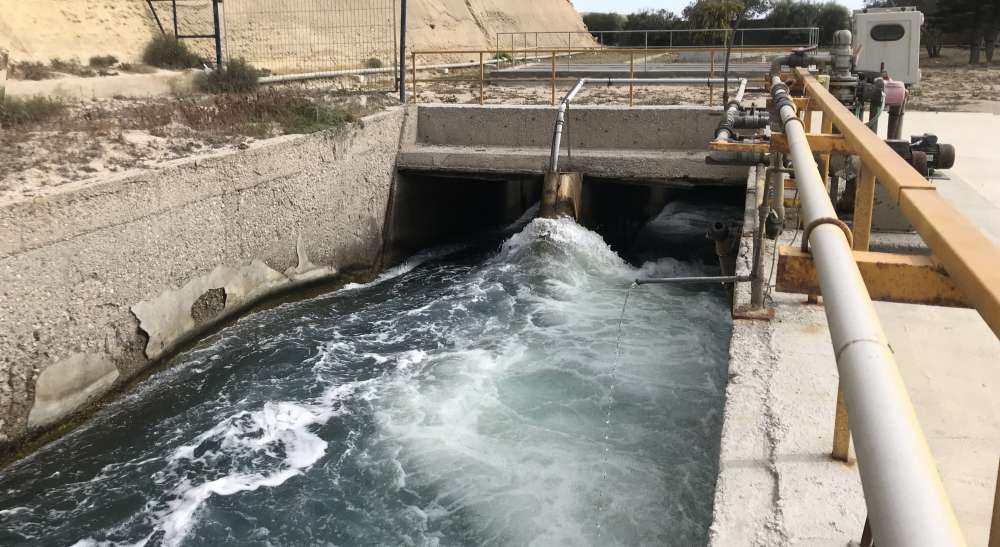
[[638, 220]]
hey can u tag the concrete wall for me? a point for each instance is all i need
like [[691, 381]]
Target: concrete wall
[[601, 127], [101, 279]]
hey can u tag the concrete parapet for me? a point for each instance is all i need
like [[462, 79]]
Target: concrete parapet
[[102, 278], [655, 145], [601, 127]]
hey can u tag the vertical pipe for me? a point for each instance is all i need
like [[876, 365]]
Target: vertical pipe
[[864, 200], [482, 79], [756, 277], [402, 55], [218, 35]]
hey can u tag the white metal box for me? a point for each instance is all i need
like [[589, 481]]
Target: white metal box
[[890, 36]]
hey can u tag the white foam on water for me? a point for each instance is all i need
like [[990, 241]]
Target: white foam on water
[[507, 425]]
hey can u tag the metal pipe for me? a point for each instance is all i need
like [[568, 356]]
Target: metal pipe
[[564, 104], [692, 280], [217, 35], [727, 128], [905, 498]]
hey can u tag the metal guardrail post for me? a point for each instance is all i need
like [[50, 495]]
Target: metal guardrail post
[[841, 429], [482, 80], [413, 61], [864, 201]]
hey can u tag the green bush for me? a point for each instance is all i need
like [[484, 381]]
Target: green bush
[[504, 56], [165, 51], [16, 111], [237, 76], [304, 116], [374, 62], [103, 61]]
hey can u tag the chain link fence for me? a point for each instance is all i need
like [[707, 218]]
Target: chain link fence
[[304, 36]]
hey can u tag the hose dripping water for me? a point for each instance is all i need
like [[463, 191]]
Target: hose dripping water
[[611, 404]]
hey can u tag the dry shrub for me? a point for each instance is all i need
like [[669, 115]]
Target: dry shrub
[[165, 51], [18, 112]]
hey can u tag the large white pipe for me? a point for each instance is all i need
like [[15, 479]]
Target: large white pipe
[[907, 505]]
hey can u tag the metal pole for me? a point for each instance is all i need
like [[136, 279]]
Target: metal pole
[[903, 491], [482, 79], [402, 54], [553, 77], [218, 34], [631, 74], [173, 4]]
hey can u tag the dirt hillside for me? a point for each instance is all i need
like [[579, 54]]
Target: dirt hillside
[[39, 30]]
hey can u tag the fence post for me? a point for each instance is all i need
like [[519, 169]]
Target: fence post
[[218, 34], [631, 75], [402, 54], [482, 80], [553, 77], [413, 60], [3, 76], [173, 5]]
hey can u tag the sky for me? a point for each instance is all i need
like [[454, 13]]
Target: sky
[[629, 6]]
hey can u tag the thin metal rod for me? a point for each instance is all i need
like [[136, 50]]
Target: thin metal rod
[[693, 280], [903, 491]]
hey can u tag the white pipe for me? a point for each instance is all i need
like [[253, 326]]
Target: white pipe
[[907, 505], [564, 104]]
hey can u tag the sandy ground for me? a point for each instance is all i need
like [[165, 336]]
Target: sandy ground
[[949, 84], [103, 137], [279, 35]]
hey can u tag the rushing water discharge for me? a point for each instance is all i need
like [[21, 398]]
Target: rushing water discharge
[[471, 396]]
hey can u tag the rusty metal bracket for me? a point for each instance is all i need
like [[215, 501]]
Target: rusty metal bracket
[[826, 220]]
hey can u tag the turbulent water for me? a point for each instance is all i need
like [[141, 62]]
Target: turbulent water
[[472, 396]]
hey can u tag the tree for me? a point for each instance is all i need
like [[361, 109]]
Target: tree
[[714, 14], [597, 22], [978, 19], [651, 20], [828, 16]]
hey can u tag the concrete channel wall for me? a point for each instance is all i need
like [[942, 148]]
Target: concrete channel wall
[[661, 145], [100, 280]]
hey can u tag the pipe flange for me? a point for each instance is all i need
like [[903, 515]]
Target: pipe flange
[[826, 220]]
